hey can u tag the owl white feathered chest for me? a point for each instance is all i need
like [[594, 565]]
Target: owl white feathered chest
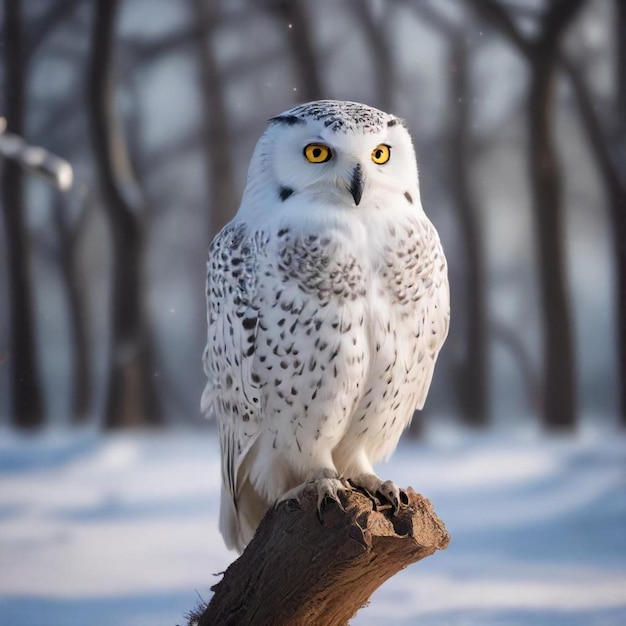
[[325, 319]]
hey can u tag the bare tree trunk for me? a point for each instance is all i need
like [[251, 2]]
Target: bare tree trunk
[[68, 238], [542, 52], [81, 396], [217, 138], [380, 53], [56, 12], [293, 18], [514, 342], [475, 370], [559, 354], [618, 204], [620, 65], [26, 395], [615, 187], [559, 409], [473, 373], [131, 397]]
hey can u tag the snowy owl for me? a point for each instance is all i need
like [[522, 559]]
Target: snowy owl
[[328, 303]]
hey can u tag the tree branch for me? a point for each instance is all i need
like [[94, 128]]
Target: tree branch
[[222, 196], [54, 16], [380, 49], [131, 396], [299, 571], [429, 15], [615, 187], [299, 37], [493, 12], [557, 20], [37, 160], [27, 404]]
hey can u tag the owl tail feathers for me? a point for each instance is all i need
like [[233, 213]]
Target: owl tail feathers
[[239, 522]]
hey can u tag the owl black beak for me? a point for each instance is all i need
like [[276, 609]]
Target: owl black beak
[[356, 184]]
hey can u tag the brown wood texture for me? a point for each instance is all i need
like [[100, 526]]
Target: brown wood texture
[[304, 568]]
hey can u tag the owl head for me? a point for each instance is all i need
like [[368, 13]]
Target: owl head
[[339, 154]]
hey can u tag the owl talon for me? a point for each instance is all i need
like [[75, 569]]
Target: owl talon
[[371, 484], [328, 489], [326, 499], [323, 503], [392, 494], [293, 504], [404, 498], [364, 490]]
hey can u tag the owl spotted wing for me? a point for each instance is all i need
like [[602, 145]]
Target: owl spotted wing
[[232, 392], [434, 319]]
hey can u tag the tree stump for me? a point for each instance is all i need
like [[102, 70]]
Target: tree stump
[[303, 568]]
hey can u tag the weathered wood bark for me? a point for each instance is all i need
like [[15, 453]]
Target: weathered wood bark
[[299, 569], [26, 394]]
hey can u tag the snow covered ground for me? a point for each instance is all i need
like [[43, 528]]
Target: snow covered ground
[[122, 531]]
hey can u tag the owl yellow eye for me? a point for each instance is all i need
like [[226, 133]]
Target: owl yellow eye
[[318, 153], [381, 154]]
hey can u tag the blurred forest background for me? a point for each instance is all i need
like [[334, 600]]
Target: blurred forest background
[[517, 110]]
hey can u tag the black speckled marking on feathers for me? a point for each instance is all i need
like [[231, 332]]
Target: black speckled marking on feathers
[[314, 265], [340, 116]]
